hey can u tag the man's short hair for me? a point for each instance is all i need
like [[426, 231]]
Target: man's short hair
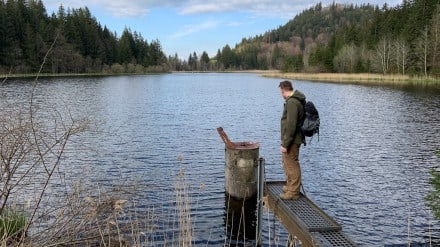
[[286, 85]]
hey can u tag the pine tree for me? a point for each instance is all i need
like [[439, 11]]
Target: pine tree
[[125, 47], [204, 61], [83, 45]]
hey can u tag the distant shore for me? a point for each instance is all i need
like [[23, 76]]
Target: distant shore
[[343, 78], [54, 75], [365, 79]]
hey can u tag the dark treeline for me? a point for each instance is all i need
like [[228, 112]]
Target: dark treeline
[[344, 38], [82, 45], [404, 39]]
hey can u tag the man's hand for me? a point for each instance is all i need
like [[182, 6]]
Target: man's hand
[[283, 149]]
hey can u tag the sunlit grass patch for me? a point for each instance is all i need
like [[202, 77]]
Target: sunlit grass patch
[[12, 224], [360, 78]]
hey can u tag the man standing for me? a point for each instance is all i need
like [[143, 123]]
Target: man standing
[[291, 138]]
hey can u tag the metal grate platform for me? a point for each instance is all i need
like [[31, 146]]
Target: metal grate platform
[[333, 238], [305, 210], [304, 219]]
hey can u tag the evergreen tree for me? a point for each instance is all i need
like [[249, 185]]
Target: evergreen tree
[[204, 61], [5, 42], [227, 57], [82, 44], [192, 61], [157, 55], [126, 47]]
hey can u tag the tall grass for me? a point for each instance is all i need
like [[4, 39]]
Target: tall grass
[[12, 226], [184, 211], [361, 78]]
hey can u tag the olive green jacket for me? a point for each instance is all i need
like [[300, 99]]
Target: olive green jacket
[[291, 120]]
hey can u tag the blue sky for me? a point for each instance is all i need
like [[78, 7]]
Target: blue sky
[[189, 26]]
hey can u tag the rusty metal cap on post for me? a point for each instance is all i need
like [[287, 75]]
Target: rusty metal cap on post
[[236, 145], [246, 145]]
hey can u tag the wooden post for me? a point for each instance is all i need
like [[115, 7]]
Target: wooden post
[[241, 169]]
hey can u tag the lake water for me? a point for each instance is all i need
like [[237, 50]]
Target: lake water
[[369, 170]]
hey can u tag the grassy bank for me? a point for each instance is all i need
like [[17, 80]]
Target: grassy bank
[[50, 75], [366, 79]]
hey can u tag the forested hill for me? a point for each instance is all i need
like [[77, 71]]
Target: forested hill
[[346, 38], [320, 23], [79, 43]]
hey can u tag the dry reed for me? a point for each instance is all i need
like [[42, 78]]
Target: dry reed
[[184, 211], [362, 78]]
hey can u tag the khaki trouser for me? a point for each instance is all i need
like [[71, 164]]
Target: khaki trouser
[[292, 169]]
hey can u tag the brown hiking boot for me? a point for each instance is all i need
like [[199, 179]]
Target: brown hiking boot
[[289, 196], [285, 189]]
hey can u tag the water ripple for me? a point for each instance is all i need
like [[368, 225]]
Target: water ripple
[[369, 170]]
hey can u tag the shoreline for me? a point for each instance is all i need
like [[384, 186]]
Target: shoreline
[[339, 78], [49, 75], [358, 79]]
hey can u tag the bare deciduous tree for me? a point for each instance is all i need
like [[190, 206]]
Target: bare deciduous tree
[[400, 54], [31, 147], [382, 56], [422, 45], [346, 59], [435, 38], [30, 152]]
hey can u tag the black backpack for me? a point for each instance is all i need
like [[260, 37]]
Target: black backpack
[[311, 122]]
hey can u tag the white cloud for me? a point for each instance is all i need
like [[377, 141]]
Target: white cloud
[[206, 7], [191, 29], [119, 9]]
